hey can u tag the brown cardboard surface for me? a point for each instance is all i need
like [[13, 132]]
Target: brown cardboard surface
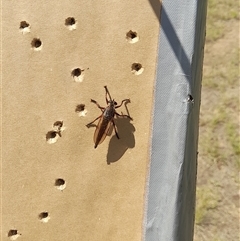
[[104, 194]]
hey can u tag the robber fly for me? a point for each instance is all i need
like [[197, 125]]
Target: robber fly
[[106, 119]]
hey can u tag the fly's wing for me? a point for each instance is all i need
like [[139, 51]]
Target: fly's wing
[[101, 131]]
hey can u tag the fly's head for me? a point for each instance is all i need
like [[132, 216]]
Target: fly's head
[[112, 103]]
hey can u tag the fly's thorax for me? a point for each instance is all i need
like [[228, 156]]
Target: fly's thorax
[[109, 112]]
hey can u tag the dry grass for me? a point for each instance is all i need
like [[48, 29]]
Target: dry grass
[[217, 206]]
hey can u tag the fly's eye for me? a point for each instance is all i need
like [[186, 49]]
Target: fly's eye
[[115, 103]]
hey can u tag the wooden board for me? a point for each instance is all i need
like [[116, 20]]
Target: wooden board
[[103, 196]]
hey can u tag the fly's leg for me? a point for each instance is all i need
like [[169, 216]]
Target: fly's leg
[[107, 101], [95, 102], [101, 108], [124, 116], [89, 124], [115, 129], [107, 93], [126, 100]]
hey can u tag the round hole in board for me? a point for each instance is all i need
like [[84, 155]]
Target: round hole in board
[[132, 37], [24, 24], [80, 110], [24, 27], [58, 125], [13, 234], [36, 44], [52, 136], [80, 107], [60, 184], [44, 217], [78, 74], [71, 23], [137, 68]]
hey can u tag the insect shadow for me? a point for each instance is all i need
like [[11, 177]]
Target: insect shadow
[[117, 147]]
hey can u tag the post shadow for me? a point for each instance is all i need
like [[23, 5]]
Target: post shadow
[[171, 35]]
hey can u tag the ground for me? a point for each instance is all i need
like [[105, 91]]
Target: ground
[[217, 203]]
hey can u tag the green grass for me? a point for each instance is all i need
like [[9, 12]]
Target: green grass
[[206, 200], [221, 79], [219, 74], [233, 137], [219, 123], [219, 141], [220, 11]]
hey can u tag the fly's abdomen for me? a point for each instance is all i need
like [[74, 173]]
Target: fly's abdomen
[[102, 130]]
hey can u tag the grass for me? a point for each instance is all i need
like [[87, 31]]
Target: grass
[[233, 137], [220, 11], [207, 200], [220, 79], [216, 217], [222, 74]]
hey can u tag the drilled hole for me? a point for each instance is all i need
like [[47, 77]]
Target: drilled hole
[[77, 74], [70, 23], [36, 44], [132, 37], [24, 24], [58, 125], [24, 27], [190, 98], [60, 184], [44, 217], [80, 107], [13, 234], [137, 68], [80, 110], [52, 136]]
